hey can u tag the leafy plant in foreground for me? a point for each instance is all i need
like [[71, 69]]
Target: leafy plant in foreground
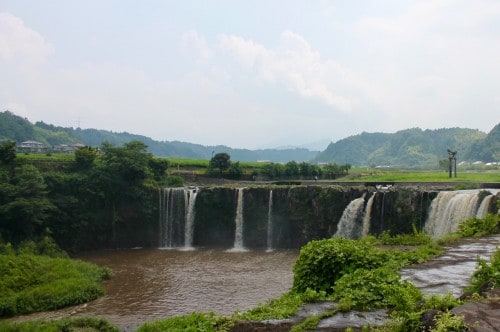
[[486, 273]]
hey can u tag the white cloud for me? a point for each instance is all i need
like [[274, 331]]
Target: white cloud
[[20, 44], [295, 65], [192, 43]]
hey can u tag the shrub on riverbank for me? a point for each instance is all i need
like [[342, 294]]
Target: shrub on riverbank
[[321, 263], [478, 227], [208, 322], [31, 283], [75, 324], [486, 276]]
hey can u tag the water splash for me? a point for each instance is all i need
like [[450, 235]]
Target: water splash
[[270, 223], [349, 224]]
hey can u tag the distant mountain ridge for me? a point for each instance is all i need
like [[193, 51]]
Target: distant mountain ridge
[[412, 147], [19, 129]]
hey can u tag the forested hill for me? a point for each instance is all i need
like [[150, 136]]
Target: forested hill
[[408, 148], [19, 129], [414, 147]]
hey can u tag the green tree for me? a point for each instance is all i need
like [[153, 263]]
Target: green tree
[[292, 169], [158, 166], [119, 179], [220, 161], [24, 206], [85, 156], [304, 169], [7, 152], [235, 170]]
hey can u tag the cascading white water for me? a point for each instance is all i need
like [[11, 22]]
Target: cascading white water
[[367, 215], [190, 199], [171, 218], [348, 226], [238, 220], [270, 222], [483, 208], [176, 217], [449, 209]]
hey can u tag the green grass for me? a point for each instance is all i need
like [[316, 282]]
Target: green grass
[[422, 176], [31, 283], [74, 324], [64, 157], [207, 322]]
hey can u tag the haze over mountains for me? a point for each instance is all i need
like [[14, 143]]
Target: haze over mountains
[[407, 148]]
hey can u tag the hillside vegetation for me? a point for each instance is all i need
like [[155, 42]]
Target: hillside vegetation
[[414, 147], [409, 148]]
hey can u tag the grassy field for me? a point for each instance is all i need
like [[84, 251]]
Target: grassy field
[[199, 166], [422, 176]]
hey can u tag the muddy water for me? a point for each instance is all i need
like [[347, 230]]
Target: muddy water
[[151, 284]]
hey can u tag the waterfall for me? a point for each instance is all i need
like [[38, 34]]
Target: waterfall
[[270, 222], [348, 226], [176, 217], [190, 199], [367, 215], [449, 209], [171, 218], [238, 220], [483, 208]]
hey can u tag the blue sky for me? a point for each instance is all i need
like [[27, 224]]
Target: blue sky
[[252, 74]]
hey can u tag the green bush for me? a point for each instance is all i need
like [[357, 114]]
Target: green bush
[[478, 227], [321, 263], [377, 288], [75, 324], [486, 273], [195, 322], [416, 238], [32, 283]]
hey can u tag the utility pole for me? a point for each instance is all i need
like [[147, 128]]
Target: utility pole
[[452, 162]]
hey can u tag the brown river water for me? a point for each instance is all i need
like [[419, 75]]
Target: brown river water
[[152, 284]]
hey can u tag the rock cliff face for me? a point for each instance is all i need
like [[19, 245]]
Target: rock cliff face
[[292, 215]]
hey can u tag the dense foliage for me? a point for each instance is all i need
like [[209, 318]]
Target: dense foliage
[[96, 199], [322, 263], [486, 276], [477, 227], [207, 322], [31, 282], [74, 324]]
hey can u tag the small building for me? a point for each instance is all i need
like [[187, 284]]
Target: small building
[[65, 148], [31, 146]]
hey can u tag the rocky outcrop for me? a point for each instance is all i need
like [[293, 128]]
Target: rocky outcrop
[[482, 315]]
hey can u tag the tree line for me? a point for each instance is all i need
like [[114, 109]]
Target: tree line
[[105, 198], [221, 165]]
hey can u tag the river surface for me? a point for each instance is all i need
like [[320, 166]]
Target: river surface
[[452, 271], [152, 284]]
